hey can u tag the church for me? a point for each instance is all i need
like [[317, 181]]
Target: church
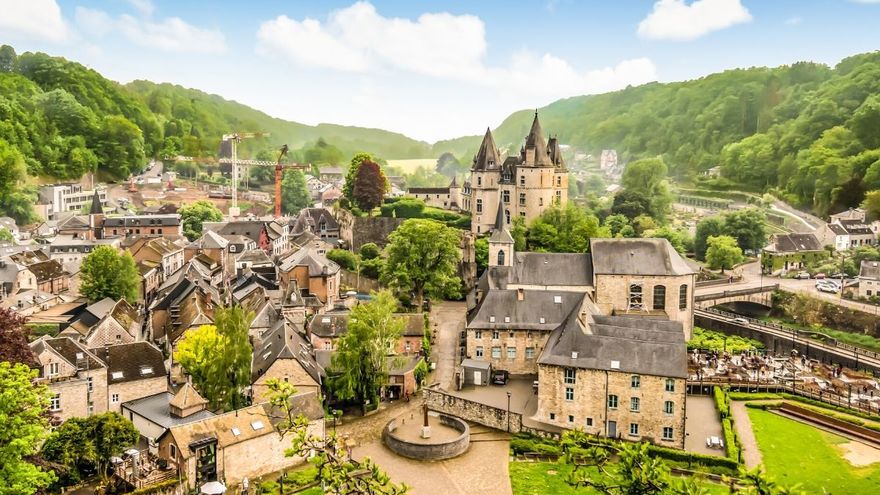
[[525, 185]]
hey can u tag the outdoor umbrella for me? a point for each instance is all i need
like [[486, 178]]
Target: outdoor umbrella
[[213, 488]]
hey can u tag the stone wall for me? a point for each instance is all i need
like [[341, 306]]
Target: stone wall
[[133, 390], [429, 451], [612, 294], [357, 231], [521, 341], [361, 284], [467, 410]]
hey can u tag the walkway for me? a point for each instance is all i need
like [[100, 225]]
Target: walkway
[[750, 452], [448, 319], [701, 423]]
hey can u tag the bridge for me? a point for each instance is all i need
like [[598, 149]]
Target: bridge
[[759, 295], [781, 339]]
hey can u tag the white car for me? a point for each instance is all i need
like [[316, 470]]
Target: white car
[[740, 321], [827, 288]]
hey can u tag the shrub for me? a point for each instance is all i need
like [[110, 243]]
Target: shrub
[[722, 401], [731, 442], [751, 396], [345, 259], [370, 251], [372, 268]]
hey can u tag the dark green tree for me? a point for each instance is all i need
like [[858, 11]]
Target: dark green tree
[[294, 192], [422, 257], [106, 272], [369, 186], [351, 174], [706, 228], [194, 215]]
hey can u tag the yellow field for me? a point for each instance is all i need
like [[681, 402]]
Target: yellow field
[[410, 166]]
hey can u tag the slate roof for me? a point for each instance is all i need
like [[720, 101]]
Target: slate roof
[[552, 306], [186, 397], [541, 269], [310, 258], [283, 341], [172, 220], [618, 343], [135, 361], [869, 270], [487, 157], [209, 240], [428, 190], [306, 403], [48, 270], [793, 243], [855, 227], [636, 257], [156, 408], [70, 350], [500, 233], [555, 152], [535, 140], [308, 219], [249, 422], [335, 324]]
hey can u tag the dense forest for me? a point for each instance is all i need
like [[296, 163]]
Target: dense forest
[[805, 131], [60, 120]]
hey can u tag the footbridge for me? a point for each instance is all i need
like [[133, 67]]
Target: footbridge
[[760, 295]]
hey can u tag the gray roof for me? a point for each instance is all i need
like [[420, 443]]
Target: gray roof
[[309, 219], [636, 257], [487, 156], [143, 221], [535, 140], [473, 363], [335, 324], [552, 306], [793, 243], [500, 233], [837, 229], [135, 361], [283, 341], [870, 270], [306, 403], [619, 343], [317, 263], [155, 408], [560, 269], [855, 227]]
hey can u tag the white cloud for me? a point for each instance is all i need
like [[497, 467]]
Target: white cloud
[[171, 34], [441, 45], [40, 19], [793, 21], [678, 20], [145, 7]]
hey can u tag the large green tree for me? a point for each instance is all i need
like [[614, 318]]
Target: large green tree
[[106, 272], [566, 229], [359, 363], [294, 191], [351, 174], [648, 177], [194, 215], [15, 201], [422, 257], [706, 228], [120, 146], [748, 227], [95, 439], [218, 357], [723, 252], [23, 426]]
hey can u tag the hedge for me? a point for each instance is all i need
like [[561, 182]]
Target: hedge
[[155, 488], [751, 396], [798, 398], [731, 442], [722, 402]]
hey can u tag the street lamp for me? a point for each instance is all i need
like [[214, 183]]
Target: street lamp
[[508, 411]]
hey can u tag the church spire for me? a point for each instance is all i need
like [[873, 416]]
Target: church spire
[[96, 205], [487, 155]]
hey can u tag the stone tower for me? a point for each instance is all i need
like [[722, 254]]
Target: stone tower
[[96, 217], [501, 242]]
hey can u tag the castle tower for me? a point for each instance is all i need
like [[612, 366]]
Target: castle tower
[[485, 176], [455, 194], [501, 242], [96, 217]]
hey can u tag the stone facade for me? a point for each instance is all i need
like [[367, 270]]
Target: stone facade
[[613, 296], [117, 393], [288, 370], [495, 347], [76, 392], [586, 399], [357, 231]]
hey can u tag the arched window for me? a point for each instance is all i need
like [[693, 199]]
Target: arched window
[[635, 297], [501, 258], [683, 297], [659, 297]]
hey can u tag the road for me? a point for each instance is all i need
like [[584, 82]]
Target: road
[[752, 278]]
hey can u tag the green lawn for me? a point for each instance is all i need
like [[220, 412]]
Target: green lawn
[[794, 452], [541, 478]]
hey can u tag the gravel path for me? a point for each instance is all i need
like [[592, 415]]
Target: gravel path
[[742, 423]]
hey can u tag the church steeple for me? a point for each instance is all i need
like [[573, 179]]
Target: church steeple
[[487, 156], [96, 205], [535, 143], [96, 216], [500, 242]]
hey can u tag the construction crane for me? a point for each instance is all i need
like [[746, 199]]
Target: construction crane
[[234, 139]]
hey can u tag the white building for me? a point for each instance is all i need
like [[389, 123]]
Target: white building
[[67, 197]]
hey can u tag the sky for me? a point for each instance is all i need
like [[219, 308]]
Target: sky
[[431, 69]]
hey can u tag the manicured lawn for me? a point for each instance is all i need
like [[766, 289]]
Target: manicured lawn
[[541, 478], [794, 452]]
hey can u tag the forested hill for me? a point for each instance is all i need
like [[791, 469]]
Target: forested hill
[[66, 120], [809, 130]]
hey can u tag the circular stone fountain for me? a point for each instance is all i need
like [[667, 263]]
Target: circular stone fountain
[[444, 437]]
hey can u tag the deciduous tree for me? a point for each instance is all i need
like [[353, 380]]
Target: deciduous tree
[[294, 191], [105, 272], [423, 257], [723, 252], [566, 229], [95, 439], [194, 215], [14, 346], [706, 228], [351, 174], [369, 186]]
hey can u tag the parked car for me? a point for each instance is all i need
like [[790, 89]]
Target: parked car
[[740, 321], [820, 276], [500, 377], [802, 276], [827, 288]]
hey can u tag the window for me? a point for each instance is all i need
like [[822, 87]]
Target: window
[[479, 183], [634, 404], [612, 402], [635, 381], [492, 320], [558, 181], [522, 199], [507, 216], [507, 320], [116, 375], [670, 385], [257, 425], [667, 433], [114, 398], [635, 296], [589, 422], [53, 369], [55, 403], [173, 451], [479, 206], [495, 334], [570, 418], [569, 394], [633, 429], [505, 196], [530, 353], [236, 431], [570, 376], [660, 297], [91, 384], [408, 347], [552, 416], [558, 197], [328, 345], [479, 351], [232, 248], [683, 297], [496, 352], [501, 258], [511, 353], [522, 180], [668, 407], [540, 201], [478, 334]]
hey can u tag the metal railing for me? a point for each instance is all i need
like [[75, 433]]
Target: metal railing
[[736, 292], [849, 401]]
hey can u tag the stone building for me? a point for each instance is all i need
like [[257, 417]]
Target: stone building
[[76, 378], [158, 250], [143, 225], [791, 252], [525, 185], [447, 198], [869, 279], [106, 322], [134, 371], [282, 353]]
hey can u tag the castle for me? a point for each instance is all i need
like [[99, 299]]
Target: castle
[[526, 185]]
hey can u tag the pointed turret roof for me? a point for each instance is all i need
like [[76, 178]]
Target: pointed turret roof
[[96, 205], [500, 234], [187, 397], [454, 183], [555, 153], [536, 140], [487, 156]]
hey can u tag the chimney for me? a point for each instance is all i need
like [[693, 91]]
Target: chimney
[[520, 294]]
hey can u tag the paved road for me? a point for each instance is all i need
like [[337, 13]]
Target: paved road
[[447, 319]]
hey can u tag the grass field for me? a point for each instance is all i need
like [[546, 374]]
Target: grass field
[[797, 453], [542, 478]]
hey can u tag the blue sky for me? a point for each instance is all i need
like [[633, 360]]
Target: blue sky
[[431, 69]]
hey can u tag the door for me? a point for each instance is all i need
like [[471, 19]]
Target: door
[[478, 377], [612, 429]]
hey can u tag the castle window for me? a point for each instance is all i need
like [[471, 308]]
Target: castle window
[[635, 296], [683, 297], [522, 180], [635, 381], [668, 407], [479, 181], [501, 257], [479, 206], [506, 175], [558, 197], [541, 201], [505, 196], [569, 394], [507, 215], [522, 199], [530, 353], [612, 402], [660, 297], [570, 376], [667, 433], [634, 404], [511, 352], [478, 334], [670, 385], [558, 181]]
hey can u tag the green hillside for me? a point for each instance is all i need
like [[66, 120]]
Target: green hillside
[[805, 130]]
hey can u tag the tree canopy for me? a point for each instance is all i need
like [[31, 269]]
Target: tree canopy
[[14, 341], [194, 215], [369, 186], [294, 192], [565, 229], [723, 252], [423, 257], [106, 272], [95, 439]]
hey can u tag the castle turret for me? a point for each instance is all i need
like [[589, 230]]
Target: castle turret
[[501, 242], [535, 151], [96, 216]]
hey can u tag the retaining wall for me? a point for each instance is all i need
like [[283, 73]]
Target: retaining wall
[[429, 451]]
